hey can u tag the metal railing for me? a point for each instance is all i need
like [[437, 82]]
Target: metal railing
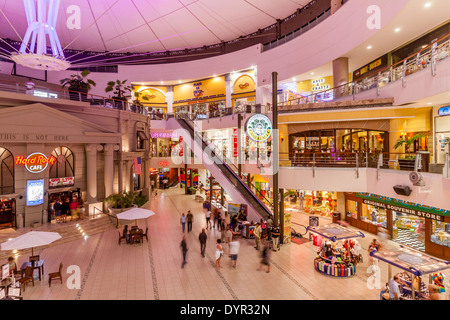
[[92, 99], [427, 58], [111, 217], [381, 160]]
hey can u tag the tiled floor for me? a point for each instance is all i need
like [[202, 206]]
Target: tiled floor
[[153, 270]]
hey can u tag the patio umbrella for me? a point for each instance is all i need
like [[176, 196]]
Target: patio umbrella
[[30, 240], [135, 214]]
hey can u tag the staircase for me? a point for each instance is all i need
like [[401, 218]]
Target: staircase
[[69, 232]]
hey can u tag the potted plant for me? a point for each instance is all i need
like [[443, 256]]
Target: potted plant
[[78, 85], [121, 91], [192, 190], [407, 163], [122, 201]]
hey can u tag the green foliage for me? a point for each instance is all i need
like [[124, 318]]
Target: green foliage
[[78, 81], [120, 90], [408, 141], [126, 200]]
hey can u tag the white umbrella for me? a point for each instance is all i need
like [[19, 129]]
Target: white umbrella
[[30, 240], [135, 214]]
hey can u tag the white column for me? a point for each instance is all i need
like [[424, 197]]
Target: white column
[[228, 91], [108, 162], [91, 173], [169, 99]]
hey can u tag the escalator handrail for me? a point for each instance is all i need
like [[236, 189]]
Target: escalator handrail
[[232, 172]]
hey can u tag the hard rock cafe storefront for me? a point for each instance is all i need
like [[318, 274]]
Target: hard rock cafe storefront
[[418, 226]]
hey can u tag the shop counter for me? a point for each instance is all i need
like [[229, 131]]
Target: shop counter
[[338, 269], [246, 229]]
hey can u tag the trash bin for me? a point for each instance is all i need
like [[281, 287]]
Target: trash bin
[[336, 216]]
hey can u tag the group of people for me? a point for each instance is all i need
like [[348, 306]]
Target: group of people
[[60, 209], [266, 231]]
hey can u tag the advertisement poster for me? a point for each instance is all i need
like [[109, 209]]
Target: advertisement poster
[[35, 192], [61, 182], [233, 209], [287, 228]]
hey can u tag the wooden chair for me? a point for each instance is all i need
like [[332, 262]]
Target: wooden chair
[[145, 235], [28, 277], [122, 237], [34, 260], [137, 238], [55, 275]]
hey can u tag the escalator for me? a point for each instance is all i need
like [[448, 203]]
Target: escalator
[[225, 172]]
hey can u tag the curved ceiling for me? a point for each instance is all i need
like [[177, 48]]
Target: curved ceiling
[[139, 26]]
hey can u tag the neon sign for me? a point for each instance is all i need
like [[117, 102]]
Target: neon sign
[[164, 163], [35, 162]]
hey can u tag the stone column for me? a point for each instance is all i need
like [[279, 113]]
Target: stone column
[[127, 176], [91, 174], [228, 91], [335, 5], [169, 99], [340, 75], [108, 158]]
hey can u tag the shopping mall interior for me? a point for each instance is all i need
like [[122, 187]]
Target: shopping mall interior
[[314, 135]]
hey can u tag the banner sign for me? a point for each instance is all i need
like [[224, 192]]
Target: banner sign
[[61, 182], [404, 206]]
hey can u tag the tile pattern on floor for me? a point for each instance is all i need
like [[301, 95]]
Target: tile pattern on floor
[[152, 270]]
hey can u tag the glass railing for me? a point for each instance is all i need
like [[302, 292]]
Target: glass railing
[[427, 58]]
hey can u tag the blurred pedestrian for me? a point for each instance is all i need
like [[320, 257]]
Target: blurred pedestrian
[[219, 253], [202, 237], [183, 221], [234, 251], [184, 250], [275, 238], [265, 259], [190, 219], [257, 233]]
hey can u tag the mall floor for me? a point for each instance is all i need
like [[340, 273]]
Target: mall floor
[[153, 270]]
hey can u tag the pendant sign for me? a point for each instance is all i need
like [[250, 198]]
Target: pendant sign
[[259, 128], [35, 162]]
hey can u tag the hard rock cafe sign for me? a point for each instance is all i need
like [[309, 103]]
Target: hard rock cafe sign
[[35, 162]]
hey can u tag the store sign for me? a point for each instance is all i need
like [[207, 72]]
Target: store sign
[[445, 111], [319, 85], [403, 206], [164, 163], [61, 182], [35, 162], [163, 135], [235, 143], [377, 64], [259, 128], [35, 192]]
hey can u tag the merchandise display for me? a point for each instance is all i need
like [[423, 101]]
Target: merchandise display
[[415, 265], [440, 233], [339, 251]]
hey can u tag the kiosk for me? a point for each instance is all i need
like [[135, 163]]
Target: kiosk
[[415, 265], [338, 252]]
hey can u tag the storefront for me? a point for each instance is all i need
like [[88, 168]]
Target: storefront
[[420, 227], [7, 213], [164, 144], [442, 129], [322, 203], [244, 91]]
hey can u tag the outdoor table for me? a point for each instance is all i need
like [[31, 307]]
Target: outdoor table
[[134, 232], [39, 265]]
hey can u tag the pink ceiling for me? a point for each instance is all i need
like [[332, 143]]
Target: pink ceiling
[[153, 25]]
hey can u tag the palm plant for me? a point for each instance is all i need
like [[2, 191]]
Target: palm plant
[[121, 91], [138, 95], [125, 200], [408, 141]]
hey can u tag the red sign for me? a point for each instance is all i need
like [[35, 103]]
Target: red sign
[[235, 143], [164, 163], [35, 162]]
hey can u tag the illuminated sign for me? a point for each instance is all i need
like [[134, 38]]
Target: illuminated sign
[[35, 192], [259, 128], [445, 111], [164, 163], [61, 182], [318, 85], [35, 162]]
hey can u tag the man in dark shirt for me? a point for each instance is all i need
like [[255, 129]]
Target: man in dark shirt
[[65, 210], [202, 238], [275, 238], [184, 250], [190, 219]]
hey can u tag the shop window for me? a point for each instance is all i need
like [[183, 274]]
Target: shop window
[[6, 171], [62, 172], [374, 215], [352, 209], [140, 140], [440, 233], [409, 230]]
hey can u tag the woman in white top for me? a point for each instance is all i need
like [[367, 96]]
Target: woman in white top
[[219, 252]]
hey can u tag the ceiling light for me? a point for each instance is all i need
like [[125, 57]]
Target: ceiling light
[[428, 4], [397, 29], [369, 47], [179, 81], [293, 79], [162, 82], [312, 73], [429, 103]]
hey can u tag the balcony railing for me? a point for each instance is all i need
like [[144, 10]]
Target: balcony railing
[[427, 58], [92, 99]]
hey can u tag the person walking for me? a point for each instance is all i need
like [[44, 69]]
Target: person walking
[[202, 237], [264, 259], [190, 219], [65, 210], [219, 220], [184, 250], [275, 238], [183, 221], [57, 207], [219, 253], [234, 251], [208, 219], [257, 233], [216, 217]]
